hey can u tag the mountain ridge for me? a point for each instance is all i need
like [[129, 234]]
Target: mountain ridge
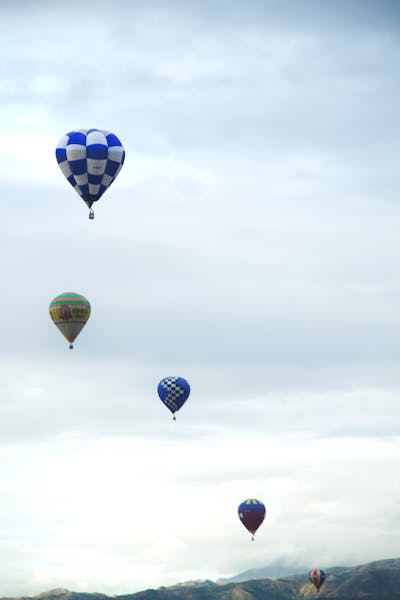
[[377, 580]]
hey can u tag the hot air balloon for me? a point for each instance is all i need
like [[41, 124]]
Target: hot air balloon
[[173, 391], [90, 159], [251, 513], [317, 577], [70, 313]]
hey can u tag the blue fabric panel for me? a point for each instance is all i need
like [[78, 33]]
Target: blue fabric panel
[[112, 140], [78, 167], [91, 198], [97, 151], [85, 191], [95, 179], [76, 137], [111, 168], [61, 155]]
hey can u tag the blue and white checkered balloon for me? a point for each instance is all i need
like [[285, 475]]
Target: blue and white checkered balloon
[[173, 392], [90, 159]]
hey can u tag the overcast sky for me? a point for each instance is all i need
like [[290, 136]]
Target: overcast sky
[[250, 244]]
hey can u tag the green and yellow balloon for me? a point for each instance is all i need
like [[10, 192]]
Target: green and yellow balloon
[[70, 312]]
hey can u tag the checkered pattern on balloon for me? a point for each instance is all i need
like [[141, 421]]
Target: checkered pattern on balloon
[[173, 392], [90, 159]]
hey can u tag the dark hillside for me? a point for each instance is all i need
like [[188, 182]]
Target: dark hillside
[[379, 580]]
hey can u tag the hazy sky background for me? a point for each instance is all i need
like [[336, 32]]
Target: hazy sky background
[[250, 244]]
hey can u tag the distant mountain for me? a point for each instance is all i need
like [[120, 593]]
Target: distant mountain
[[378, 580], [64, 594], [272, 571]]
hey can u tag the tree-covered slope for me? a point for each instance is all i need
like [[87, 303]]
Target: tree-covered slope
[[378, 580]]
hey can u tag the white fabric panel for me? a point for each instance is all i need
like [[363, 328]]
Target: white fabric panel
[[107, 179], [63, 142], [115, 153], [65, 168], [76, 152], [96, 137], [96, 167], [94, 189], [81, 179]]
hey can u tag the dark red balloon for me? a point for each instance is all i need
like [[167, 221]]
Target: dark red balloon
[[252, 514]]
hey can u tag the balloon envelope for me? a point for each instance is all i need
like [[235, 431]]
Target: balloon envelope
[[90, 159], [251, 513], [317, 577], [70, 312], [173, 392]]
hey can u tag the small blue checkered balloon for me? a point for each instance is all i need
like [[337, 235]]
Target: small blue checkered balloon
[[90, 159], [173, 391]]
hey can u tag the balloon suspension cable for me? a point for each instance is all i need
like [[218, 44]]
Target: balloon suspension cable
[[71, 346], [91, 213]]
